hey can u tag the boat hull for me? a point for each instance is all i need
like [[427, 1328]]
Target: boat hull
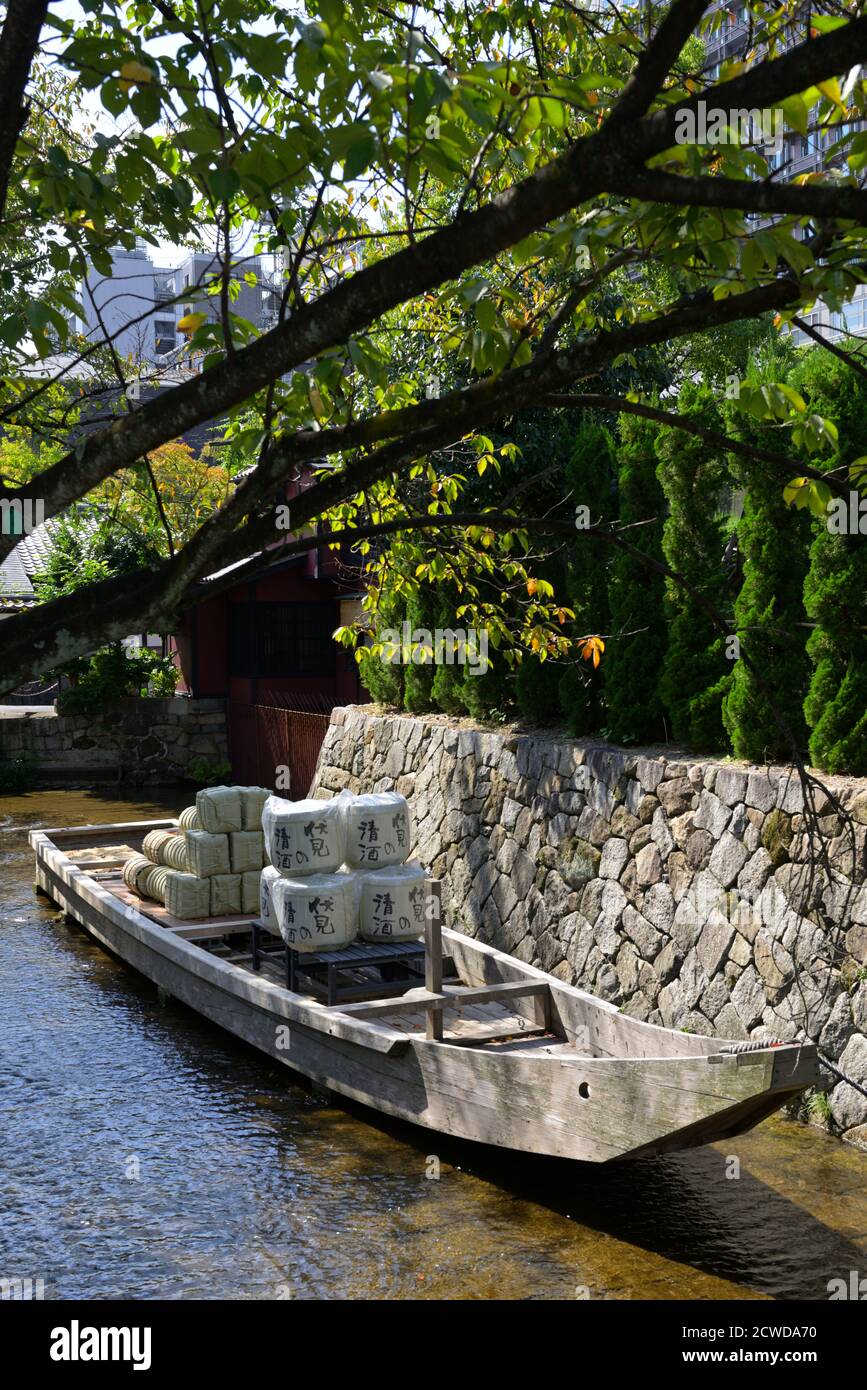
[[586, 1108]]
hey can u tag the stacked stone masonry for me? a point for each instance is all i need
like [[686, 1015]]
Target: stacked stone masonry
[[143, 741], [675, 888]]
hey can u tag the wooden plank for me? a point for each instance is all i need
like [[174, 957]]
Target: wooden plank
[[492, 1023], [64, 833], [91, 860], [203, 931], [479, 994], [493, 1032], [433, 958], [413, 1001]]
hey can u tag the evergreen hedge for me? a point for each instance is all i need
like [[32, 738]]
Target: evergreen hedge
[[695, 672], [793, 591], [637, 642]]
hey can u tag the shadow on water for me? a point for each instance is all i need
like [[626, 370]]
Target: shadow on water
[[251, 1185]]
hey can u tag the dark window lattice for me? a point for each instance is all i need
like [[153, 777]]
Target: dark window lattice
[[281, 639]]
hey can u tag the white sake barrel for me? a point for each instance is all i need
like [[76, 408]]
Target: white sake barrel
[[186, 896], [303, 837], [378, 830], [267, 879], [219, 809], [189, 819], [132, 868], [315, 913], [392, 903]]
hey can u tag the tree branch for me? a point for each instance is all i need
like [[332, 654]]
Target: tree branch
[[19, 44], [785, 467], [588, 168]]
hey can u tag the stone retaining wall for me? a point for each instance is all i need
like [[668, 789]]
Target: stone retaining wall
[[676, 888], [142, 741]]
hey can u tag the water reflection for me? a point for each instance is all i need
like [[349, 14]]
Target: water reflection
[[145, 1153]]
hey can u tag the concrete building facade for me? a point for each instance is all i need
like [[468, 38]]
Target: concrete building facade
[[138, 305]]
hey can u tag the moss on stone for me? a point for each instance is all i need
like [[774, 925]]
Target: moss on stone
[[578, 861], [777, 836]]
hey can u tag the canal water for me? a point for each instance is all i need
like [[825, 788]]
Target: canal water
[[146, 1154]]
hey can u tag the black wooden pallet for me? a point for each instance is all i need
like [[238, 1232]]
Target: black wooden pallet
[[342, 975]]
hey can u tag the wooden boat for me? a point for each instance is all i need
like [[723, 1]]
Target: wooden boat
[[504, 1054]]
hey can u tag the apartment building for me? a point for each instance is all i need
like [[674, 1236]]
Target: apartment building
[[138, 305], [796, 154]]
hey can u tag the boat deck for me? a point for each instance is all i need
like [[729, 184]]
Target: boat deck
[[488, 1023]]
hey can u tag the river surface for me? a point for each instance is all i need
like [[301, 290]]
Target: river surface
[[146, 1154]]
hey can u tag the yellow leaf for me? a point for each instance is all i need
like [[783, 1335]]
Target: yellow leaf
[[532, 586], [831, 90], [190, 322], [132, 71], [793, 492], [592, 649]]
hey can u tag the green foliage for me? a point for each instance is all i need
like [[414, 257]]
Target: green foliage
[[447, 688], [694, 670], [768, 617], [418, 677], [835, 587], [819, 1109], [489, 697], [116, 674], [591, 478], [207, 774], [384, 680], [536, 681], [773, 541], [836, 703], [635, 649], [537, 691], [87, 548], [343, 131]]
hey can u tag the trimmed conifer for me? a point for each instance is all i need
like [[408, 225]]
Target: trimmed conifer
[[637, 642]]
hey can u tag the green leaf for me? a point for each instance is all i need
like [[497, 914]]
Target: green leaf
[[224, 183], [146, 105], [359, 156], [796, 114]]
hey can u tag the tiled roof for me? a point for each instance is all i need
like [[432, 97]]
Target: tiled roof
[[14, 579], [33, 550], [27, 559]]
